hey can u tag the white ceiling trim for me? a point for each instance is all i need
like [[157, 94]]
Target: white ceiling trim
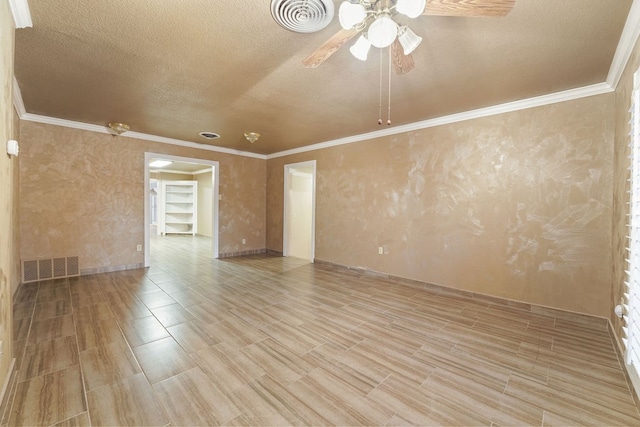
[[201, 171], [130, 134], [523, 104], [21, 13], [18, 103], [198, 172], [628, 39]]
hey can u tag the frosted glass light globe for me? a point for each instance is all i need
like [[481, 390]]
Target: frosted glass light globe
[[383, 31], [411, 8], [360, 49], [351, 14]]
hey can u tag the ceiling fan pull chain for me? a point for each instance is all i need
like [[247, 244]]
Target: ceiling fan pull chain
[[389, 95], [380, 99]]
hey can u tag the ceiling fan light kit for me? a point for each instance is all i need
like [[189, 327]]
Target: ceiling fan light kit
[[374, 19], [411, 8], [408, 39], [383, 30], [351, 14], [360, 48]]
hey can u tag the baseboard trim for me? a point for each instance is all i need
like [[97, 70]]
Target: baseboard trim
[[5, 398], [625, 370], [242, 253], [110, 269], [582, 318]]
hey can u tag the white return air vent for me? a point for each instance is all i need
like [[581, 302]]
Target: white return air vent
[[302, 16], [49, 268]]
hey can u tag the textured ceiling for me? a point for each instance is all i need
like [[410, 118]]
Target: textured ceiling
[[176, 68]]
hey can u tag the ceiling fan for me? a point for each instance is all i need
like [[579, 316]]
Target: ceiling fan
[[374, 19]]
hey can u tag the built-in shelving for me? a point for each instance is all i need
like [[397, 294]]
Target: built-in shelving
[[180, 203]]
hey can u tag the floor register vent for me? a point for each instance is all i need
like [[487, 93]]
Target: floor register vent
[[50, 268]]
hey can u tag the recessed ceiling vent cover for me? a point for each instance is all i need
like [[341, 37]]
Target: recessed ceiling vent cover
[[302, 16], [209, 135]]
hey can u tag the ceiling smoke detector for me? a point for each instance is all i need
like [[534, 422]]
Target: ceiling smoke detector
[[209, 135], [302, 16]]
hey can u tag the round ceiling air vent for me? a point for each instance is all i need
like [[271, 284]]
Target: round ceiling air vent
[[302, 16]]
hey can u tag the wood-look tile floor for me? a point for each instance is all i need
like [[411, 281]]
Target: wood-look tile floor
[[265, 340]]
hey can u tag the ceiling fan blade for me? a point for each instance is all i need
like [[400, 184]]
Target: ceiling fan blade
[[401, 62], [329, 47], [489, 8]]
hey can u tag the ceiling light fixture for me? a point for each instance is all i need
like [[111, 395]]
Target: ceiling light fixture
[[360, 48], [383, 31], [408, 39], [351, 14], [252, 136], [377, 24], [118, 128], [411, 8]]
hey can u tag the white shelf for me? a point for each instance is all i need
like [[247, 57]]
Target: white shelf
[[179, 207]]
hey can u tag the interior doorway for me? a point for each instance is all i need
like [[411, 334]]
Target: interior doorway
[[204, 215], [299, 210]]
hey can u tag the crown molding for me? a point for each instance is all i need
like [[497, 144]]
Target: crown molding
[[21, 13], [202, 171], [18, 103], [198, 172], [628, 39], [523, 104], [538, 101], [137, 135]]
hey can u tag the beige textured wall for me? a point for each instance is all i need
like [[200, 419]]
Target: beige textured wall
[[16, 272], [205, 203], [516, 205], [621, 184], [7, 167], [81, 193]]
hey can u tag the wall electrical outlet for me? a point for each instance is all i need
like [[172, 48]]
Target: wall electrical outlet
[[380, 250], [244, 241], [139, 248]]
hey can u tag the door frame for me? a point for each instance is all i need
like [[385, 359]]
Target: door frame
[[216, 197], [285, 223]]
